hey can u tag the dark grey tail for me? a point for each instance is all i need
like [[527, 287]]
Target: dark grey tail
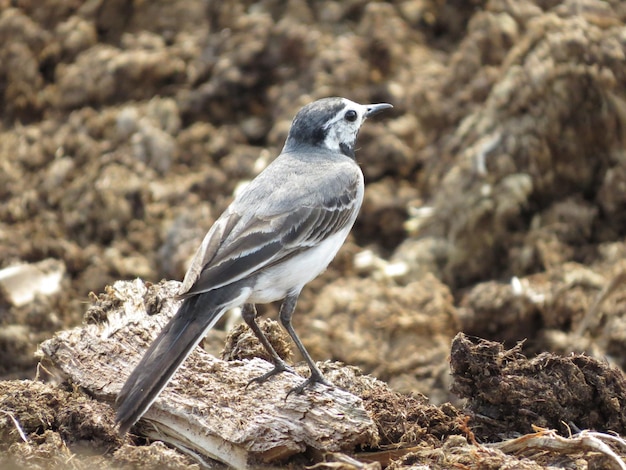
[[175, 342]]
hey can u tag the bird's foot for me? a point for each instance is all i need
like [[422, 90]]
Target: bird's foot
[[314, 378], [279, 367]]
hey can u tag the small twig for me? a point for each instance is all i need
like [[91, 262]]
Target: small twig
[[17, 425], [465, 428], [343, 461], [609, 437], [548, 439], [39, 367]]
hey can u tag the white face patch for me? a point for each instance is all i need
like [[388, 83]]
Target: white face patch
[[342, 131]]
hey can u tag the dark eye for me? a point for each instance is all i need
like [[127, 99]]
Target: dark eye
[[351, 115]]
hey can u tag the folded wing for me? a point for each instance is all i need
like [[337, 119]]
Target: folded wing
[[238, 246]]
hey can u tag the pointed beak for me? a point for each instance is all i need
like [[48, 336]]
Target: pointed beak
[[373, 109]]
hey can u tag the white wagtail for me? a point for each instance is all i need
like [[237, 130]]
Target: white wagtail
[[279, 233]]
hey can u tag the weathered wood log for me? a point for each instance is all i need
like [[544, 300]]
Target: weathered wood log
[[206, 410]]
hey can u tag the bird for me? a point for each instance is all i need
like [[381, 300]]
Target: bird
[[280, 232]]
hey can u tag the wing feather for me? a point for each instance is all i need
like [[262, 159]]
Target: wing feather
[[241, 246]]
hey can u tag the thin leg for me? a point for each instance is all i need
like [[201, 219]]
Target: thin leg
[[286, 313], [248, 312]]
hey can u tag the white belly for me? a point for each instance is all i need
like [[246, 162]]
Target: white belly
[[290, 276]]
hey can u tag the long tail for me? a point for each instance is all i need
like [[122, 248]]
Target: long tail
[[175, 342]]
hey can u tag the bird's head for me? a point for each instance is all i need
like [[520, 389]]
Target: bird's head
[[331, 123]]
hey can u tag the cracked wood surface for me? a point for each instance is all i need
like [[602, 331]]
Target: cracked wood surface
[[206, 409]]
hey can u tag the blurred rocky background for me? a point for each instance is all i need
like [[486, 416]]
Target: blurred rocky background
[[496, 187]]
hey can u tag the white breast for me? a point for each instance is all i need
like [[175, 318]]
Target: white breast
[[276, 282]]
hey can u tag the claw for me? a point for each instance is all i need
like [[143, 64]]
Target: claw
[[279, 368], [308, 383]]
